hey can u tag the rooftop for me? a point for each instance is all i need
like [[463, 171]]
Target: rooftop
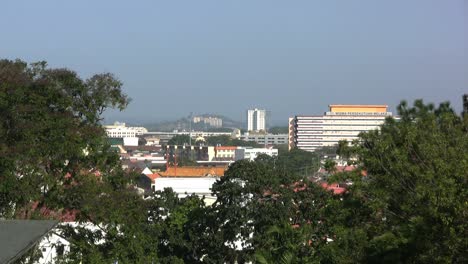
[[192, 171], [359, 108]]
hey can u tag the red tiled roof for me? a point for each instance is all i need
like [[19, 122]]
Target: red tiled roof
[[335, 187], [193, 171]]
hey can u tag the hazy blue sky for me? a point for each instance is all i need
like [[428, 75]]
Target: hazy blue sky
[[290, 57]]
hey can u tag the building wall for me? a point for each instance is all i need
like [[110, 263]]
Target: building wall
[[225, 152], [268, 139], [130, 141]]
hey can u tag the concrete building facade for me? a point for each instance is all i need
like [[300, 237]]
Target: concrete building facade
[[266, 139], [256, 119], [341, 122]]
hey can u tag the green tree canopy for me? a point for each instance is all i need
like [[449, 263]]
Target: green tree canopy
[[179, 140], [411, 207], [50, 133], [55, 161]]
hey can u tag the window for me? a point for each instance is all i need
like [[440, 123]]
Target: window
[[60, 249]]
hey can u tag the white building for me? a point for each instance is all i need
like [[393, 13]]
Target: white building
[[120, 130], [184, 186], [342, 122], [256, 120], [130, 141], [252, 153], [225, 152]]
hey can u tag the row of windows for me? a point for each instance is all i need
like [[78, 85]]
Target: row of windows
[[339, 118], [335, 123], [330, 131]]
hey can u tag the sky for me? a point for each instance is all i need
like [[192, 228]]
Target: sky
[[224, 57]]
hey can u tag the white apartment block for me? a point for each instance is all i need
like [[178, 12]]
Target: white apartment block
[[120, 130], [342, 122], [256, 120]]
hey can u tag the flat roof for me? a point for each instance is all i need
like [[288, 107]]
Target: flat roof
[[344, 105]]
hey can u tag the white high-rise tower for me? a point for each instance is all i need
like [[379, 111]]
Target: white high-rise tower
[[256, 119]]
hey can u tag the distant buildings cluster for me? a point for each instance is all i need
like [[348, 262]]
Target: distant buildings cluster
[[208, 120], [194, 168]]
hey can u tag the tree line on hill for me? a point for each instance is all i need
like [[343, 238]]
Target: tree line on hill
[[54, 161]]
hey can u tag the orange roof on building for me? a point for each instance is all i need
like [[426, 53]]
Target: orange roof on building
[[359, 108], [153, 177], [225, 148], [193, 171]]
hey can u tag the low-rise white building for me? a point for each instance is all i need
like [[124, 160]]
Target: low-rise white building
[[185, 186], [120, 130], [252, 153], [130, 141]]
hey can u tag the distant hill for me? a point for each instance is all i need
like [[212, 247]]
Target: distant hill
[[184, 124]]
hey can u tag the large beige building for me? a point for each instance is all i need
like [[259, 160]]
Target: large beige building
[[341, 122]]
